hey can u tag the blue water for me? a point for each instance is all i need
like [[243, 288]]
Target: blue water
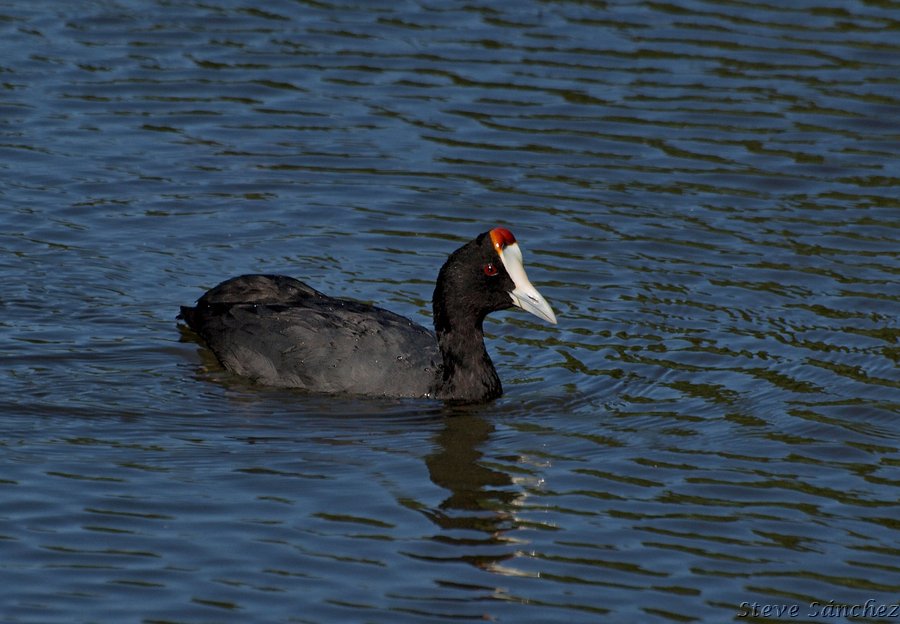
[[707, 194]]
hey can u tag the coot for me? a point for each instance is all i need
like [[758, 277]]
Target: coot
[[280, 332]]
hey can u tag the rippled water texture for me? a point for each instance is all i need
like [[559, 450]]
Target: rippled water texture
[[707, 192]]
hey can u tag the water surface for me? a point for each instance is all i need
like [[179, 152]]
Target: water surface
[[705, 191]]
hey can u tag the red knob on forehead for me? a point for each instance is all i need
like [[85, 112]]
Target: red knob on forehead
[[501, 237]]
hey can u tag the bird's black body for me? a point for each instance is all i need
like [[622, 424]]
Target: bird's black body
[[278, 331]]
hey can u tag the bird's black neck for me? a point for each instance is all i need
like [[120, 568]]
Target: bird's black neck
[[467, 373]]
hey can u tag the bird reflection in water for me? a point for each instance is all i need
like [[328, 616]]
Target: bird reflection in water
[[478, 512]]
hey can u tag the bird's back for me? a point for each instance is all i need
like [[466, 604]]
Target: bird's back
[[280, 332]]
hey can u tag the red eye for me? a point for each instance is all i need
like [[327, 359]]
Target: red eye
[[490, 270]]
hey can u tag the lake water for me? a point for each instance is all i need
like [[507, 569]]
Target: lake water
[[706, 192]]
